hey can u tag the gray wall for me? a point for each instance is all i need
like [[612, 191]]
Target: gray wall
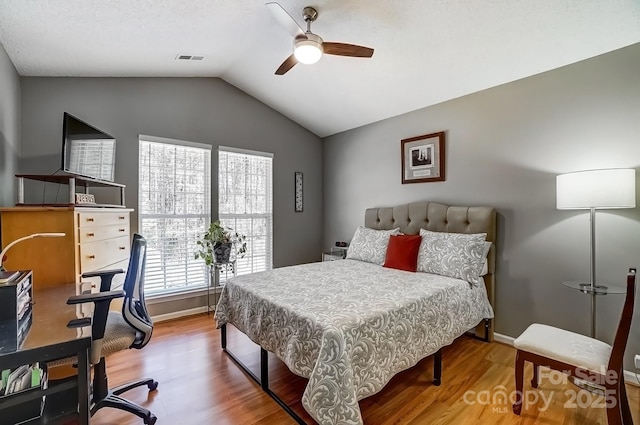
[[504, 148], [204, 110], [9, 127]]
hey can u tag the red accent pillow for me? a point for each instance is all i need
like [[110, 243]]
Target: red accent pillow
[[402, 252]]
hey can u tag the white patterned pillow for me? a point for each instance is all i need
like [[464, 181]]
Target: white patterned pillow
[[485, 265], [370, 245], [456, 255]]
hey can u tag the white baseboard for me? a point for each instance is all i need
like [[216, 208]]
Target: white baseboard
[[503, 338], [178, 314], [629, 376]]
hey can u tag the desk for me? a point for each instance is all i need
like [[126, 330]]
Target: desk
[[50, 339]]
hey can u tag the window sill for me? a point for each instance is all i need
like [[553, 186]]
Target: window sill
[[176, 296]]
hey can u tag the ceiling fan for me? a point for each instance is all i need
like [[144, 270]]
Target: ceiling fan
[[307, 46]]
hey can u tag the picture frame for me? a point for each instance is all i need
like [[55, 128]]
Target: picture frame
[[423, 158], [299, 204]]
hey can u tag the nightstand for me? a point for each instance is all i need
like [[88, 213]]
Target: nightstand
[[336, 253]]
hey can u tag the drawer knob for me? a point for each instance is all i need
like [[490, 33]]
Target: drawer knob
[[122, 230], [122, 248], [90, 235], [91, 257], [90, 219], [121, 217]]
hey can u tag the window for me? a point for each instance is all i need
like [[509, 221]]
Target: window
[[174, 208], [245, 203]]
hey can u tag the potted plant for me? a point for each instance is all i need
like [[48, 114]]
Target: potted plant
[[217, 243]]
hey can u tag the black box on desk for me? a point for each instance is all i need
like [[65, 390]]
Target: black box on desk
[[16, 301]]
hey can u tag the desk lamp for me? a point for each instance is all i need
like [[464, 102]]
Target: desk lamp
[[34, 235], [592, 190]]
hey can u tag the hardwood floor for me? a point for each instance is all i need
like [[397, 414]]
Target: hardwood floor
[[199, 384]]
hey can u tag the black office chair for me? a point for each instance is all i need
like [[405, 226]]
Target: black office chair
[[112, 331]]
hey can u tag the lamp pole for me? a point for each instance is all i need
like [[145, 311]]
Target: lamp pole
[[592, 278]]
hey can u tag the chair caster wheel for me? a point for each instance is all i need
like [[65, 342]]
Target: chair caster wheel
[[151, 420], [152, 386]]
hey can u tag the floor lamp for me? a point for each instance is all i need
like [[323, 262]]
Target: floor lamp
[[592, 190]]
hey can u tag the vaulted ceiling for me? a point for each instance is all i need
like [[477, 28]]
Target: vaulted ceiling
[[426, 51]]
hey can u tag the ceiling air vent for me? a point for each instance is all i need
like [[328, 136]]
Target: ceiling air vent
[[189, 58]]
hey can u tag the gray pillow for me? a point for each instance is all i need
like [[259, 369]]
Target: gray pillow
[[370, 245], [457, 255]]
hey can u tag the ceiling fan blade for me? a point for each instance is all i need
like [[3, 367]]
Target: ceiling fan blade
[[344, 49], [289, 63], [283, 17]]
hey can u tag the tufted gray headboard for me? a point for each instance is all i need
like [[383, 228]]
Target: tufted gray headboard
[[410, 218]]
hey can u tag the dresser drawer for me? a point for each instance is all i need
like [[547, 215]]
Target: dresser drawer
[[92, 284], [98, 233], [90, 219], [100, 254]]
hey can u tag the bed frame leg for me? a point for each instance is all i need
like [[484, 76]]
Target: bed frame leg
[[223, 336], [264, 369], [477, 334], [487, 328], [263, 381], [437, 368]]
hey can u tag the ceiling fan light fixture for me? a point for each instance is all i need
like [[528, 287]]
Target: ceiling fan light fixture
[[308, 50]]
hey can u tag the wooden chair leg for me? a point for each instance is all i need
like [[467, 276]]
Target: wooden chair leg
[[534, 380], [614, 409], [519, 371], [624, 404]]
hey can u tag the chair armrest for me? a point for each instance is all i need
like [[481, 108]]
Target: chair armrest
[[101, 301], [103, 273], [106, 276], [79, 323], [95, 297]]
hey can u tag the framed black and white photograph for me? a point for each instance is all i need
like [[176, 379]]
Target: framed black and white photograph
[[423, 158], [298, 192]]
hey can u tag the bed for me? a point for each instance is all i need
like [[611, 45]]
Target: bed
[[349, 326]]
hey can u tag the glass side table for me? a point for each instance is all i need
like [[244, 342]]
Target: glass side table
[[585, 288], [593, 291], [336, 253]]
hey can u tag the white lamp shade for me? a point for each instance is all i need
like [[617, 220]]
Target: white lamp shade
[[308, 50], [599, 189]]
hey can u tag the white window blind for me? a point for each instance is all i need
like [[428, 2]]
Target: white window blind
[[174, 208], [245, 203]]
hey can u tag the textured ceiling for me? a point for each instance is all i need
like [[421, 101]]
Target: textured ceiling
[[426, 51]]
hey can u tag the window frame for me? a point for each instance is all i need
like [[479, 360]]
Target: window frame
[[185, 290], [268, 216]]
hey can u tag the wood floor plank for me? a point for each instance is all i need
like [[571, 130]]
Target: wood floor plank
[[200, 384]]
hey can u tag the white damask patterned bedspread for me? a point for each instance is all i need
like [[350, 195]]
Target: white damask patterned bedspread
[[349, 326]]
